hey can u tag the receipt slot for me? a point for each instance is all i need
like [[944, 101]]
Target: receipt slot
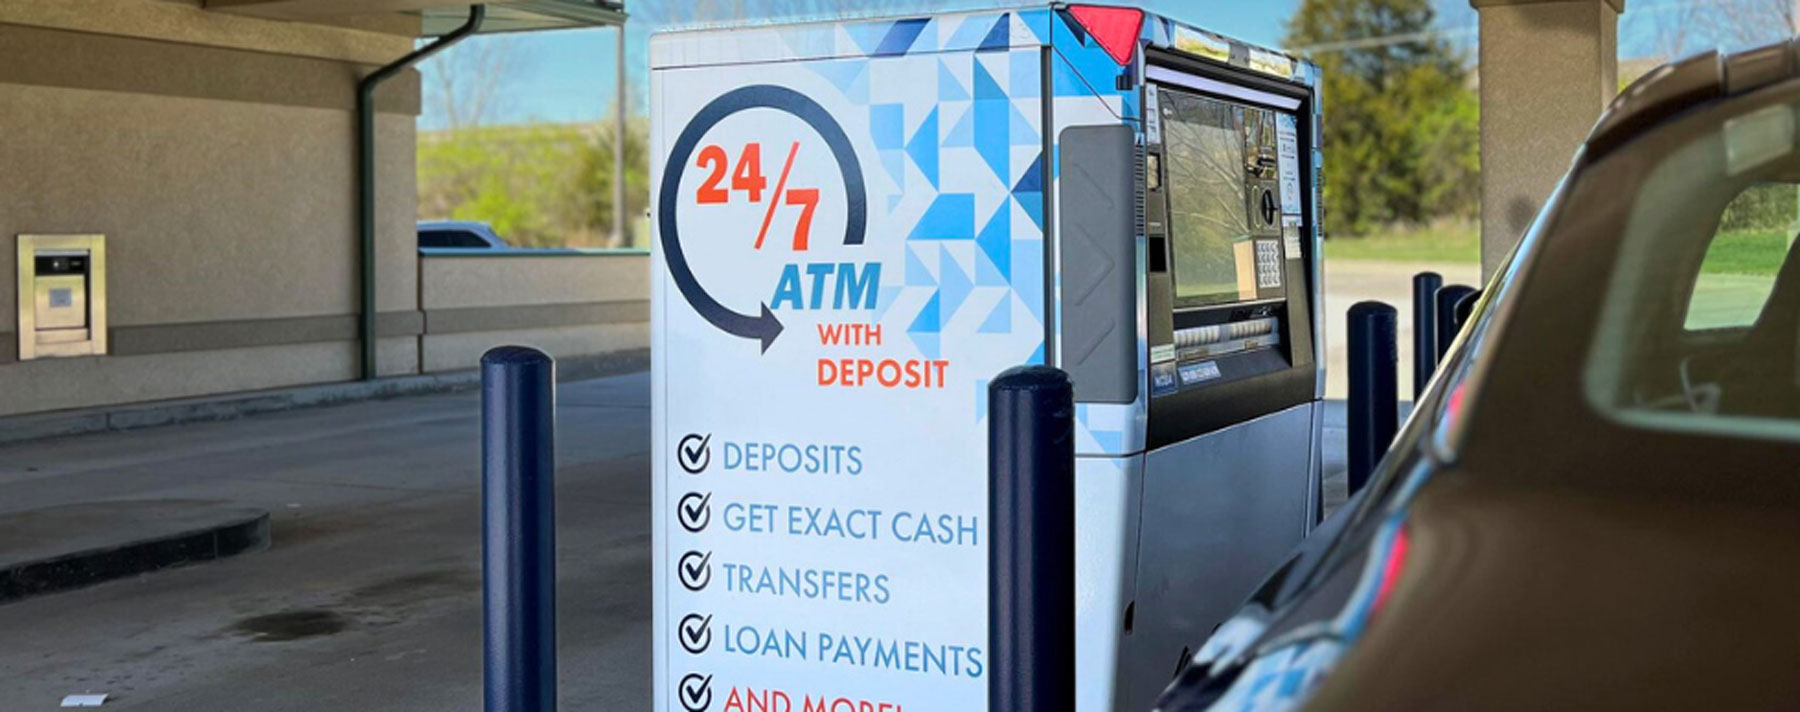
[[858, 226], [62, 296]]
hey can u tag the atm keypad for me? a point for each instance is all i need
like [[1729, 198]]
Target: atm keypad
[[1268, 264]]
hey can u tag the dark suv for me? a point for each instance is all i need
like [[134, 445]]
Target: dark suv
[[1596, 504]]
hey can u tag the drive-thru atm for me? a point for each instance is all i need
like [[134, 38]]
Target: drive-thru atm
[[858, 225]]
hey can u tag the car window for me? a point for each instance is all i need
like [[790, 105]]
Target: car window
[[450, 238], [1700, 327], [1738, 274]]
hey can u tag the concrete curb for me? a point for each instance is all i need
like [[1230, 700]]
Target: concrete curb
[[23, 428], [212, 532]]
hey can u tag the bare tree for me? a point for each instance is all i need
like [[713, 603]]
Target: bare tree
[[1745, 22], [707, 12], [467, 86], [1678, 27]]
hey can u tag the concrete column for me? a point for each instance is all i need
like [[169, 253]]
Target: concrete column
[[1548, 67]]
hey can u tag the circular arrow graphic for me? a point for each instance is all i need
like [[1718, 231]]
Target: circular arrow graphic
[[763, 327]]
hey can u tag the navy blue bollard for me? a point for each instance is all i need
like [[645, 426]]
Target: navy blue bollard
[[1465, 308], [1424, 323], [1031, 544], [1374, 381], [1447, 297], [518, 529]]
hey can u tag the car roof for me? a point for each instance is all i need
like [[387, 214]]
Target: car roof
[[454, 225], [1677, 86]]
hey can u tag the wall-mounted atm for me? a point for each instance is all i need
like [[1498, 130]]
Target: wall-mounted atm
[[62, 295], [858, 225]]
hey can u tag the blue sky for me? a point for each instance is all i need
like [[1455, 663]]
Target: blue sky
[[567, 76]]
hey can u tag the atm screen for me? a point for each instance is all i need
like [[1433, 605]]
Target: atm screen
[[1221, 163]]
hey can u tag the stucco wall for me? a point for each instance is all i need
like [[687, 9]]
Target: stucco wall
[[566, 305], [1548, 68], [216, 153], [213, 210], [217, 156]]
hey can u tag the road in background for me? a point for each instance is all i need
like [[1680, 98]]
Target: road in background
[[370, 595], [1350, 281]]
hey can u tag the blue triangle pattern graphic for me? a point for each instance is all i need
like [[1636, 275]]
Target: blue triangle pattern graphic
[[923, 148], [953, 286], [986, 87], [1033, 204], [928, 38], [1033, 180], [806, 42], [894, 160], [1026, 80], [962, 135], [999, 321], [1028, 262], [1038, 23], [916, 273], [850, 76], [951, 216], [927, 320], [1110, 440], [1020, 130], [981, 399], [928, 344], [949, 88], [992, 112], [969, 34], [884, 300], [999, 37], [900, 37], [986, 273], [887, 125], [995, 242], [867, 35]]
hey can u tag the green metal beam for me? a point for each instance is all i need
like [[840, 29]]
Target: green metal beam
[[365, 172]]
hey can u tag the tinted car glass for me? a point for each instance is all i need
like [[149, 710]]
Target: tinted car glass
[[1701, 319], [1738, 274], [450, 238]]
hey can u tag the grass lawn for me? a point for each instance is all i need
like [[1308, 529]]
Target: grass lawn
[[1447, 242], [1757, 253], [1752, 252]]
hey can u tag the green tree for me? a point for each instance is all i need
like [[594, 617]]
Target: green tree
[[1401, 123], [595, 186], [538, 185]]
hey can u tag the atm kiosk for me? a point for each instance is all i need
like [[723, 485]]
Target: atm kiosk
[[860, 223], [1231, 459]]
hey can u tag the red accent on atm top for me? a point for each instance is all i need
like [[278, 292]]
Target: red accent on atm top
[[1115, 28]]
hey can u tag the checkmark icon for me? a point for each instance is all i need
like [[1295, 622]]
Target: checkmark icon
[[696, 633], [696, 692], [694, 511], [696, 570], [694, 453]]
